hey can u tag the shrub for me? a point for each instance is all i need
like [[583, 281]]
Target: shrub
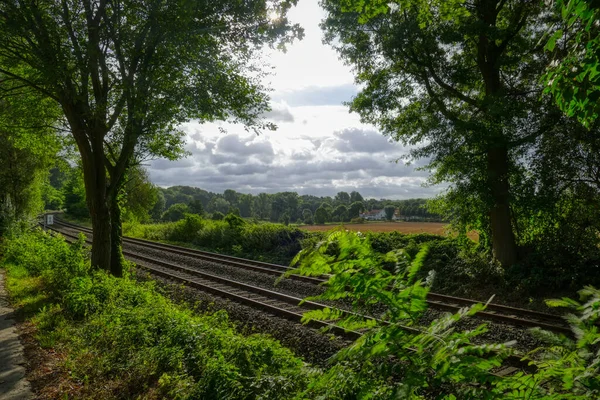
[[234, 221], [176, 212], [186, 228], [123, 339], [358, 220], [217, 216], [42, 253], [397, 357]]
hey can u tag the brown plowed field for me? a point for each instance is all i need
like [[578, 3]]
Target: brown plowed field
[[402, 227], [437, 228]]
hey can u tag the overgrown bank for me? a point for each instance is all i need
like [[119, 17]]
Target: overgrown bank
[[461, 267], [121, 339]]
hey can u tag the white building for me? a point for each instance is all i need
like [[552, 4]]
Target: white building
[[378, 215]]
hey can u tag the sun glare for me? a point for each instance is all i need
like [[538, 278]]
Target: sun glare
[[273, 15]]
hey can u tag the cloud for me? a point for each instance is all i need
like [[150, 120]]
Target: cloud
[[234, 144], [362, 141], [280, 112], [350, 159], [317, 95]]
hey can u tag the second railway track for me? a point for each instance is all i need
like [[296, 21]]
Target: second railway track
[[493, 312]]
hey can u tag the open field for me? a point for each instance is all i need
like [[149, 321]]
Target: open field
[[402, 227], [437, 228]]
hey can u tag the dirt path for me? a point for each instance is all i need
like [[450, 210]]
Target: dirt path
[[13, 385]]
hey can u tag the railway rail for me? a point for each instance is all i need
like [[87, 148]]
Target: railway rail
[[494, 312], [273, 302]]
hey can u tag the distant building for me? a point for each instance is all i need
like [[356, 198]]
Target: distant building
[[379, 215]]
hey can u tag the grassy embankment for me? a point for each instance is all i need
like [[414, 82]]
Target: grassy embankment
[[113, 338], [462, 268], [117, 338]]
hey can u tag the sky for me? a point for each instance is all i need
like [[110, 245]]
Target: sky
[[319, 147]]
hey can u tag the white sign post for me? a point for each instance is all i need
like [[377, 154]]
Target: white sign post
[[49, 219]]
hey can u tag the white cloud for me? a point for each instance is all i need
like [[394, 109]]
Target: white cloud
[[319, 148]]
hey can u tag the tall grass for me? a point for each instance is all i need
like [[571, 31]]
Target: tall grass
[[125, 340], [232, 235]]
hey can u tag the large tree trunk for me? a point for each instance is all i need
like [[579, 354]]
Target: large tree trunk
[[489, 52], [96, 185], [117, 261], [504, 247], [101, 242]]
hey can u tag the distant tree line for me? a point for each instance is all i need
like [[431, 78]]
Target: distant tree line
[[284, 207], [145, 202]]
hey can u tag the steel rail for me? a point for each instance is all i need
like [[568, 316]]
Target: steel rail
[[267, 300], [258, 266], [493, 312], [279, 310]]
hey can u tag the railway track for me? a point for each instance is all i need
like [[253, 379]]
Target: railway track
[[273, 302], [494, 312]]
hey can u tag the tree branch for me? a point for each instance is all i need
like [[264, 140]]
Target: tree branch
[[29, 83]]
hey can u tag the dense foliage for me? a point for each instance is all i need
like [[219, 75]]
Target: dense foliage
[[573, 78], [398, 357], [123, 339], [125, 74], [342, 207], [28, 148], [230, 234], [463, 82]]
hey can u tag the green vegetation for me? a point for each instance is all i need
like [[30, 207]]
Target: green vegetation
[[399, 358], [126, 74], [500, 96], [464, 83], [230, 234], [573, 78], [122, 339], [273, 207]]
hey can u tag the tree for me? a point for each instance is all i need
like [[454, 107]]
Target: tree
[[159, 206], [74, 193], [342, 197], [125, 73], [355, 209], [573, 77], [195, 207], [285, 219], [245, 205], [176, 212], [321, 215], [355, 196], [389, 212], [217, 216], [28, 149], [22, 173], [140, 195], [231, 196], [461, 77], [262, 206], [307, 216], [218, 204], [341, 212]]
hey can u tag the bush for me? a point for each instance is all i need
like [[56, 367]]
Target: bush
[[122, 339], [435, 360], [217, 216], [358, 220], [233, 235], [187, 228], [176, 212], [42, 253]]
